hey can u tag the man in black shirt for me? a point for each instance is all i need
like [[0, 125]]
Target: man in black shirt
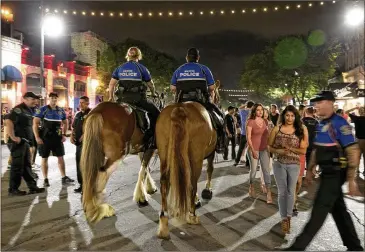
[[230, 130], [20, 122], [76, 137], [274, 115], [311, 123]]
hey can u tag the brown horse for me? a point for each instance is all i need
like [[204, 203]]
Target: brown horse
[[110, 133], [185, 137]]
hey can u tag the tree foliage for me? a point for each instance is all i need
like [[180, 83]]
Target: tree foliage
[[293, 66], [160, 65]]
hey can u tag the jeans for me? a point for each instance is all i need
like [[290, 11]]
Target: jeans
[[231, 140], [264, 158], [286, 176]]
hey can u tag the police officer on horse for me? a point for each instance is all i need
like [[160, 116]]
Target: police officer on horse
[[338, 155], [129, 82], [194, 82]]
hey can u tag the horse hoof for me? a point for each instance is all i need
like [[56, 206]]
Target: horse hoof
[[142, 203], [207, 194], [163, 235], [152, 192], [193, 220], [198, 204]]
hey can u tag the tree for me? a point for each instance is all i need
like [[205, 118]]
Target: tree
[[160, 65], [291, 65]]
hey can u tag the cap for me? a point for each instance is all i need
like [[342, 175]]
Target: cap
[[31, 95], [53, 94], [323, 95], [193, 52]]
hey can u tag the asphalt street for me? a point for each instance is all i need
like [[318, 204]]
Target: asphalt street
[[55, 220]]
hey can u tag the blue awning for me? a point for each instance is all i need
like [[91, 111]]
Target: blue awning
[[11, 73]]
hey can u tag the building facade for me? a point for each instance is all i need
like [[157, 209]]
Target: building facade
[[88, 46]]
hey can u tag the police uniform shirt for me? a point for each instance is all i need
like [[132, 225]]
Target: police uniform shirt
[[132, 71], [78, 123], [52, 118], [22, 118], [333, 129], [193, 71]]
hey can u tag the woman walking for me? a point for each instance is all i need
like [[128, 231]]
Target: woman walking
[[287, 142], [257, 137]]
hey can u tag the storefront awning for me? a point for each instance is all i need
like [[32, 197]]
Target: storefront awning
[[11, 73]]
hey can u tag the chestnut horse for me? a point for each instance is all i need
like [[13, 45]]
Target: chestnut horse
[[185, 137], [110, 133]]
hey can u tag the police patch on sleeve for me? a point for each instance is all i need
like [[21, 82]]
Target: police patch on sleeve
[[17, 110], [346, 130], [37, 111]]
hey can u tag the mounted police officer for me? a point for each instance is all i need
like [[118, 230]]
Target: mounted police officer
[[338, 155], [194, 82], [19, 123], [51, 136], [76, 136], [132, 78]]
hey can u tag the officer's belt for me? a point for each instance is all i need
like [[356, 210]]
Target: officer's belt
[[325, 144]]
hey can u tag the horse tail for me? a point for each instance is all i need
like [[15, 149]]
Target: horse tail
[[92, 159], [178, 164]]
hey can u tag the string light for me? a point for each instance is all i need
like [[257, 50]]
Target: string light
[[191, 13]]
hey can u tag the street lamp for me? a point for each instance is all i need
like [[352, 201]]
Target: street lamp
[[52, 26], [354, 17]]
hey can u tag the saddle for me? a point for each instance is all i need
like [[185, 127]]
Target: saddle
[[198, 96], [142, 119]]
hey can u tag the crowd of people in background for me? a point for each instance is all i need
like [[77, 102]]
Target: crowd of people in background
[[265, 135]]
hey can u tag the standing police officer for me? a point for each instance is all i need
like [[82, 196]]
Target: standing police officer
[[192, 74], [19, 123], [76, 136], [337, 154], [51, 136], [131, 77]]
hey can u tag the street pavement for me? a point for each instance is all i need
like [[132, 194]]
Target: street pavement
[[230, 221]]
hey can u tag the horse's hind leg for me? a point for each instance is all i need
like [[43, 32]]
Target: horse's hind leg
[[149, 182], [196, 168], [163, 227], [140, 194], [207, 193]]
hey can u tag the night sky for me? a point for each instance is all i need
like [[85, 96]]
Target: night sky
[[224, 41]]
